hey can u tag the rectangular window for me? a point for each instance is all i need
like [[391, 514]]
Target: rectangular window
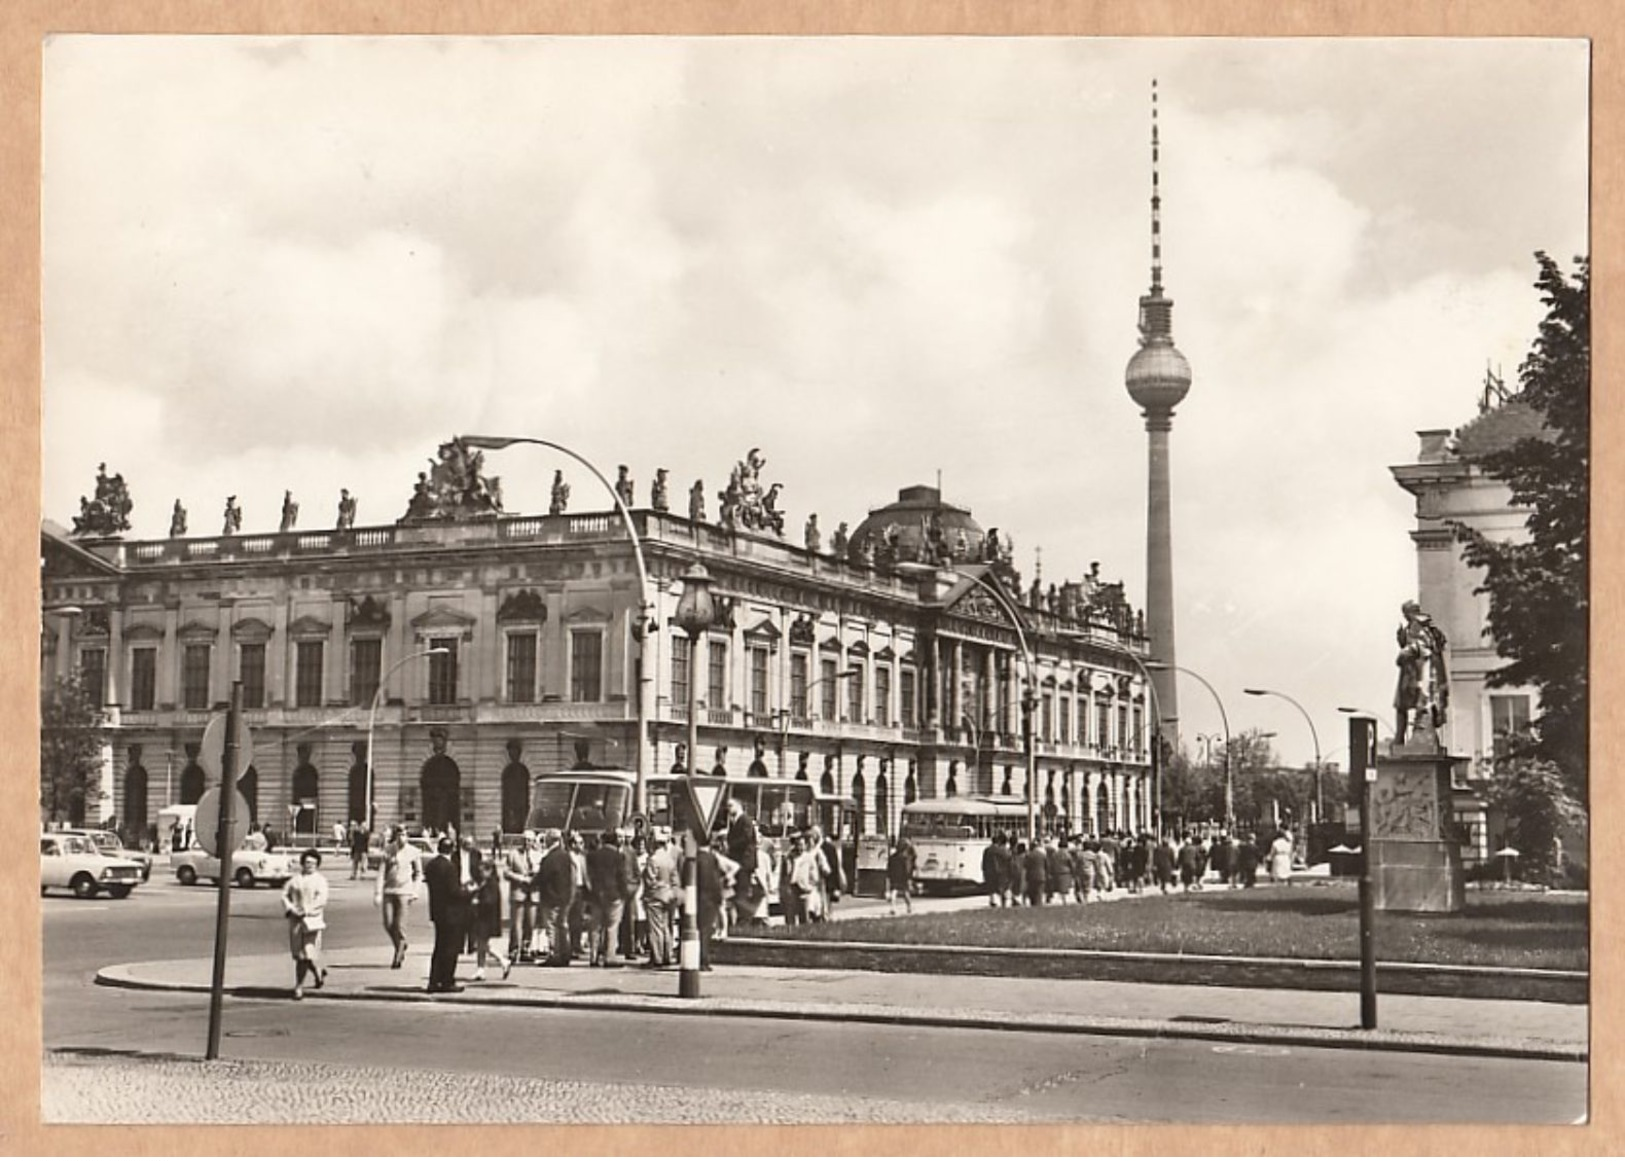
[[1122, 727], [1139, 730], [143, 679], [195, 677], [905, 695], [1103, 724], [366, 667], [443, 671], [251, 672], [1063, 719], [827, 690], [716, 693], [854, 695], [522, 667], [798, 685], [586, 665], [681, 659], [93, 674], [307, 673], [1046, 729], [882, 695], [758, 683], [1509, 717]]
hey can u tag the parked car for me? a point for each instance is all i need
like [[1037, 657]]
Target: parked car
[[73, 862], [249, 867], [108, 843]]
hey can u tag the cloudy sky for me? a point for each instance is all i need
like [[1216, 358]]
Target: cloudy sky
[[303, 263]]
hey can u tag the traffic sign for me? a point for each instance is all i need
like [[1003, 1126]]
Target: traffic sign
[[705, 794], [207, 821], [212, 756]]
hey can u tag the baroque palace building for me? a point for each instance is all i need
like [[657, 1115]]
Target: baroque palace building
[[884, 666]]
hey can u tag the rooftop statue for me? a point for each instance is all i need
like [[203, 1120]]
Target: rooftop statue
[[232, 518], [455, 486], [346, 509], [696, 501], [109, 513], [177, 521], [290, 512], [810, 534], [744, 503], [560, 499], [838, 542], [660, 492], [623, 486]]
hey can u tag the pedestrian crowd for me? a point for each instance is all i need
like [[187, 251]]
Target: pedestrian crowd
[[1079, 868]]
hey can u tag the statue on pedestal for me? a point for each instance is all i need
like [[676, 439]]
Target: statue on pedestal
[[660, 492], [177, 521], [838, 542], [623, 486], [455, 487], [560, 499], [696, 501], [290, 512], [233, 518], [810, 534], [346, 509], [1422, 693]]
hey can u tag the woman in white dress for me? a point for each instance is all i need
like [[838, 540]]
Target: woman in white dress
[[1281, 858], [304, 898]]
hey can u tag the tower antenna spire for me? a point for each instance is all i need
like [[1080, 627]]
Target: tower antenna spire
[[1156, 201]]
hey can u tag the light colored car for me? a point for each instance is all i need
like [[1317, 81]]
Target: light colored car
[[108, 843], [249, 867], [73, 862]]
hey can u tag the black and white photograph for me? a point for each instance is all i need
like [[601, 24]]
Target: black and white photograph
[[814, 581]]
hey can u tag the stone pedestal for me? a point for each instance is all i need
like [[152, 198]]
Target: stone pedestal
[[1416, 866]]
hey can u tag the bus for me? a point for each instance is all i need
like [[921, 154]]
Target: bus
[[581, 800], [951, 834]]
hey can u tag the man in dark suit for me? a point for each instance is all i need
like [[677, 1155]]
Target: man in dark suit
[[608, 884], [708, 888], [554, 888], [448, 911]]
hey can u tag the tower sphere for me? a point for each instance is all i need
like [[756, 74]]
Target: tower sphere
[[1158, 376]]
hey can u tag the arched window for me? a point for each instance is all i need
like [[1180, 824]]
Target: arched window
[[191, 784], [911, 790], [442, 784], [135, 803], [882, 805], [357, 798], [826, 783], [304, 797], [515, 797], [249, 787], [858, 792]]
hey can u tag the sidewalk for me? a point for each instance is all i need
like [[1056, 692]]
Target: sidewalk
[[1494, 1028]]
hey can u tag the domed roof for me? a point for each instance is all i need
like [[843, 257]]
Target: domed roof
[[1158, 376], [1498, 429], [911, 519]]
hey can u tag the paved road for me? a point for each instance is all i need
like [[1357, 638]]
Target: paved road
[[316, 1061]]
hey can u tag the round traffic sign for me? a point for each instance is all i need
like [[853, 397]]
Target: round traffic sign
[[212, 756], [207, 820]]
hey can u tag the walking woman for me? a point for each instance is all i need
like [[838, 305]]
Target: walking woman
[[398, 878], [304, 898], [487, 929]]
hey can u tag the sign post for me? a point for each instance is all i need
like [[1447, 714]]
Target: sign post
[[1362, 774], [230, 756]]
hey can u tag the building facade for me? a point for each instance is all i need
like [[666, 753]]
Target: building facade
[[480, 648]]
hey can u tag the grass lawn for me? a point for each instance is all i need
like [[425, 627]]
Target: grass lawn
[[1308, 922]]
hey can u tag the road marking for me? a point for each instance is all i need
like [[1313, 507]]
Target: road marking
[[1252, 1049]]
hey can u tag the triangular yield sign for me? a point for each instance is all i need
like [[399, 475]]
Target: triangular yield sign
[[706, 791]]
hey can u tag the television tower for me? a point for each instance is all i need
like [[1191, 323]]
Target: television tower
[[1158, 378]]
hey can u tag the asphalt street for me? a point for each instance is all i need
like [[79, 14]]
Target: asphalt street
[[561, 1066]]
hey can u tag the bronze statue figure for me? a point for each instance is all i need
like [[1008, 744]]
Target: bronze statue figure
[[1422, 693]]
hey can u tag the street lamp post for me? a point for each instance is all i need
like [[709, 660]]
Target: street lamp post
[[694, 614], [372, 716], [1357, 712], [642, 627], [1320, 808], [1224, 719], [1029, 697], [785, 715]]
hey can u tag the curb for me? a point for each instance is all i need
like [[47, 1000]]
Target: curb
[[118, 976]]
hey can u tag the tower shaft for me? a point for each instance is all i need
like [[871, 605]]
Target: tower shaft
[[1159, 562]]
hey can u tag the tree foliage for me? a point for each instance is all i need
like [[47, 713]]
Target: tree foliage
[[1538, 593], [70, 748], [1538, 808]]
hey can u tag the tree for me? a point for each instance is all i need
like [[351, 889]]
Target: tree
[[72, 734], [1538, 594], [1538, 808]]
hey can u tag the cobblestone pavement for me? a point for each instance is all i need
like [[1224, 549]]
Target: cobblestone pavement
[[145, 1089]]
